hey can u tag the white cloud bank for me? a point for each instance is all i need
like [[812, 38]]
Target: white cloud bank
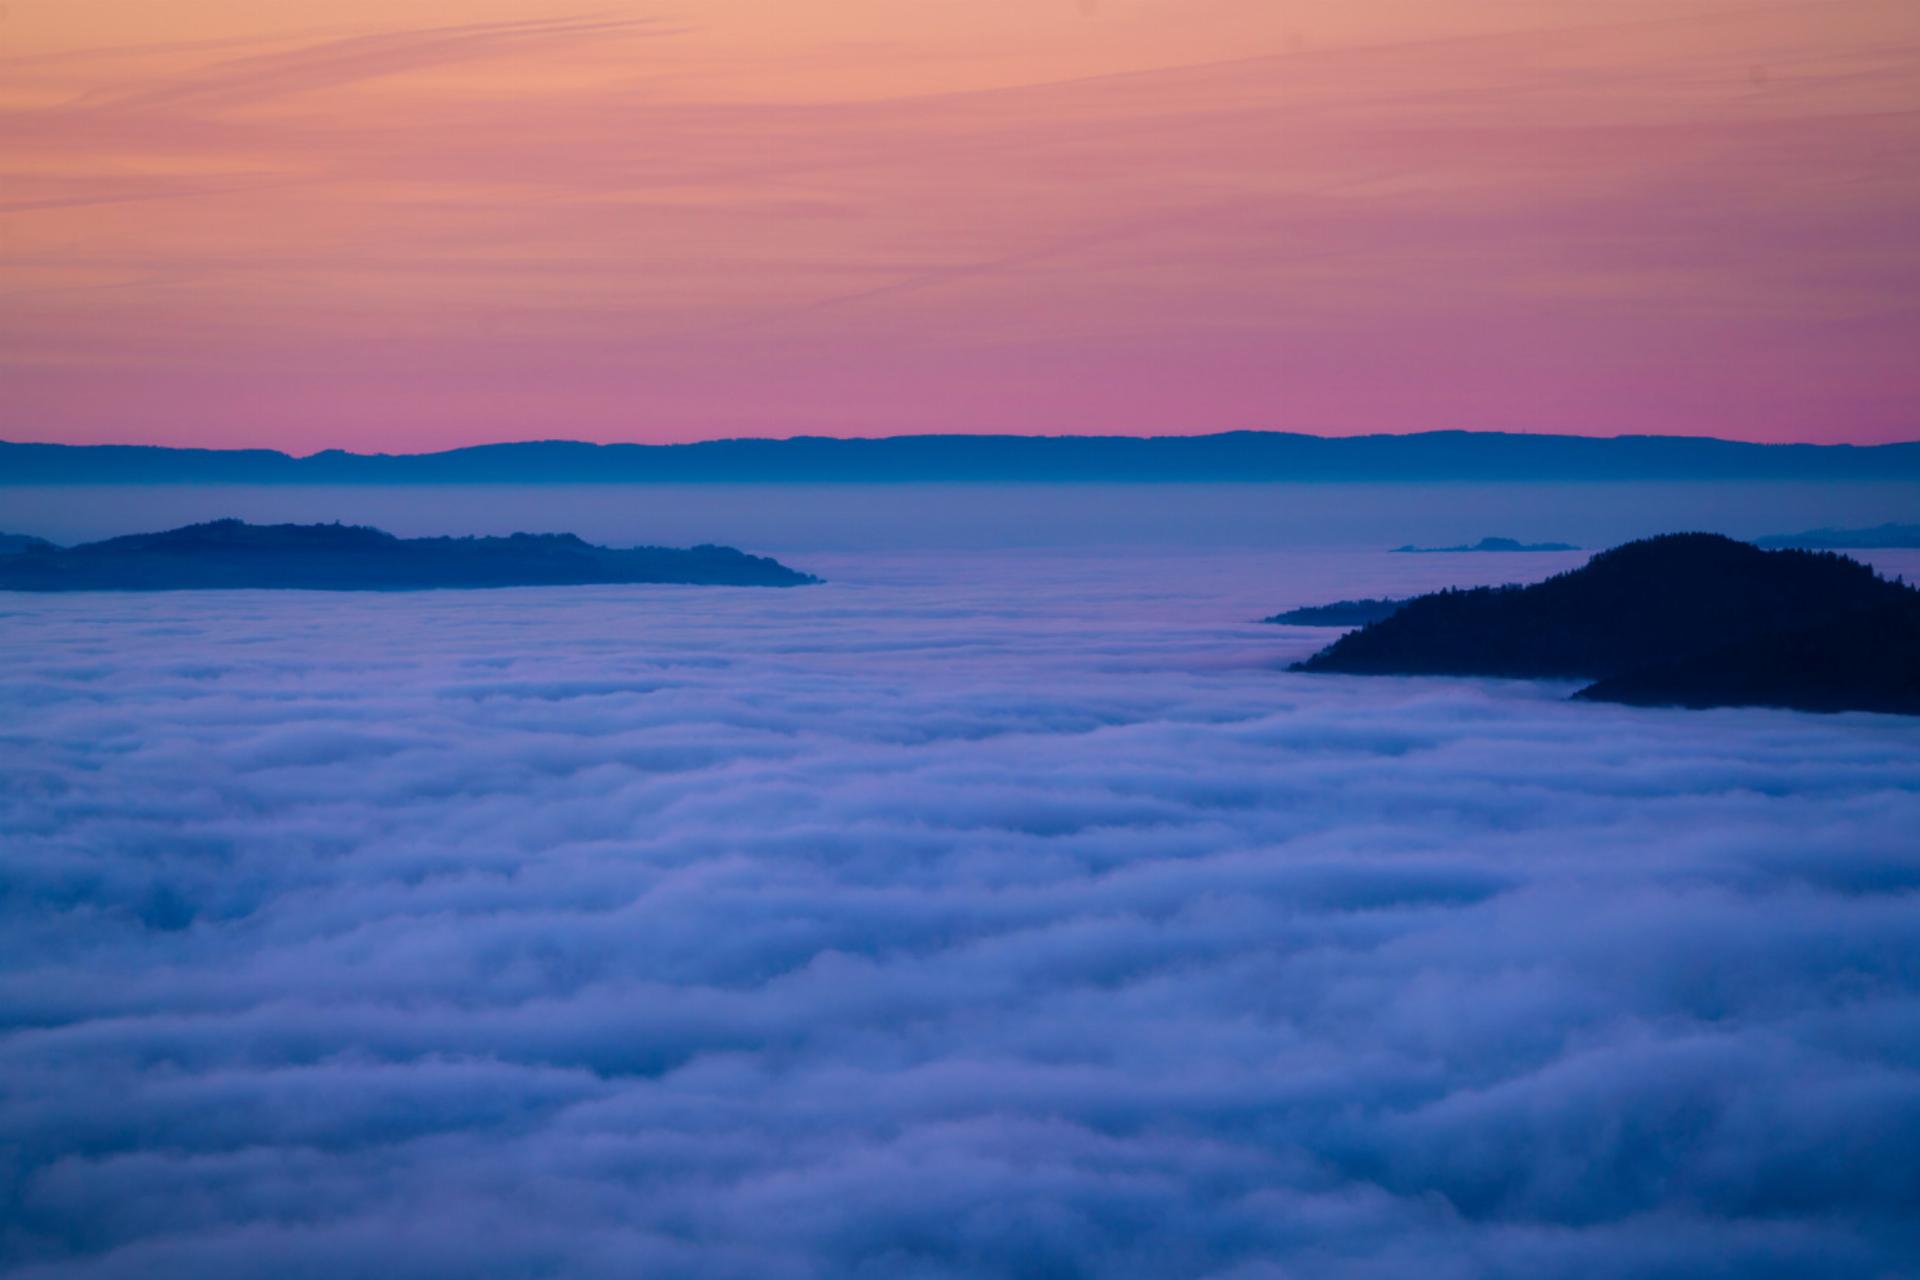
[[975, 916]]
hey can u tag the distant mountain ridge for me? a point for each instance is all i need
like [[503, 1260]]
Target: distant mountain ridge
[[337, 557], [1493, 545], [1683, 620], [1879, 537], [1228, 456]]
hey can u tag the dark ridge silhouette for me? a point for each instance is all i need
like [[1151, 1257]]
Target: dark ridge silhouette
[[336, 557], [13, 542], [1691, 619], [1341, 613], [1880, 537], [1228, 456], [1492, 544]]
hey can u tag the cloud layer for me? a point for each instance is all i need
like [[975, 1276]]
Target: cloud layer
[[984, 915]]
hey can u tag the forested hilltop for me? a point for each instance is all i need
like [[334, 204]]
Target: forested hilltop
[[336, 557], [1687, 619]]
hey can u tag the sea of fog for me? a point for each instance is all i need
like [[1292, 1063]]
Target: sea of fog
[[985, 911]]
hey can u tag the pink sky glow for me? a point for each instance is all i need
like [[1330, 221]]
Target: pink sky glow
[[410, 224]]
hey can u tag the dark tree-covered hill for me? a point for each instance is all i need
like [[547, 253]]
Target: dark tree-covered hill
[[1861, 662], [1684, 619], [1341, 613], [334, 557]]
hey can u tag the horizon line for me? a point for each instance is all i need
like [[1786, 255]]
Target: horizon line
[[1089, 436]]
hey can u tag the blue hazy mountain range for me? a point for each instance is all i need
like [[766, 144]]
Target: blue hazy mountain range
[[1230, 456], [1879, 538], [337, 557]]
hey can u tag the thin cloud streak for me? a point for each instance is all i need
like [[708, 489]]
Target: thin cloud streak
[[347, 60]]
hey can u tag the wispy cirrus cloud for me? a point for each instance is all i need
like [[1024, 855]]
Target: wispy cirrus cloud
[[899, 220], [330, 64]]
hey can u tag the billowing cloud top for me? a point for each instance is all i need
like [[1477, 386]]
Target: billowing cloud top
[[410, 224], [968, 917]]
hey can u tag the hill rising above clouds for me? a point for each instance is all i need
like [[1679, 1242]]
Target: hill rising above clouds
[[1683, 620], [1341, 613], [1490, 545], [335, 557]]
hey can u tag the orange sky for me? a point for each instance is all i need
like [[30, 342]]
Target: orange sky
[[416, 223]]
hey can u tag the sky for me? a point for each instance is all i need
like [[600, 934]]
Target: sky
[[944, 920], [412, 224]]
